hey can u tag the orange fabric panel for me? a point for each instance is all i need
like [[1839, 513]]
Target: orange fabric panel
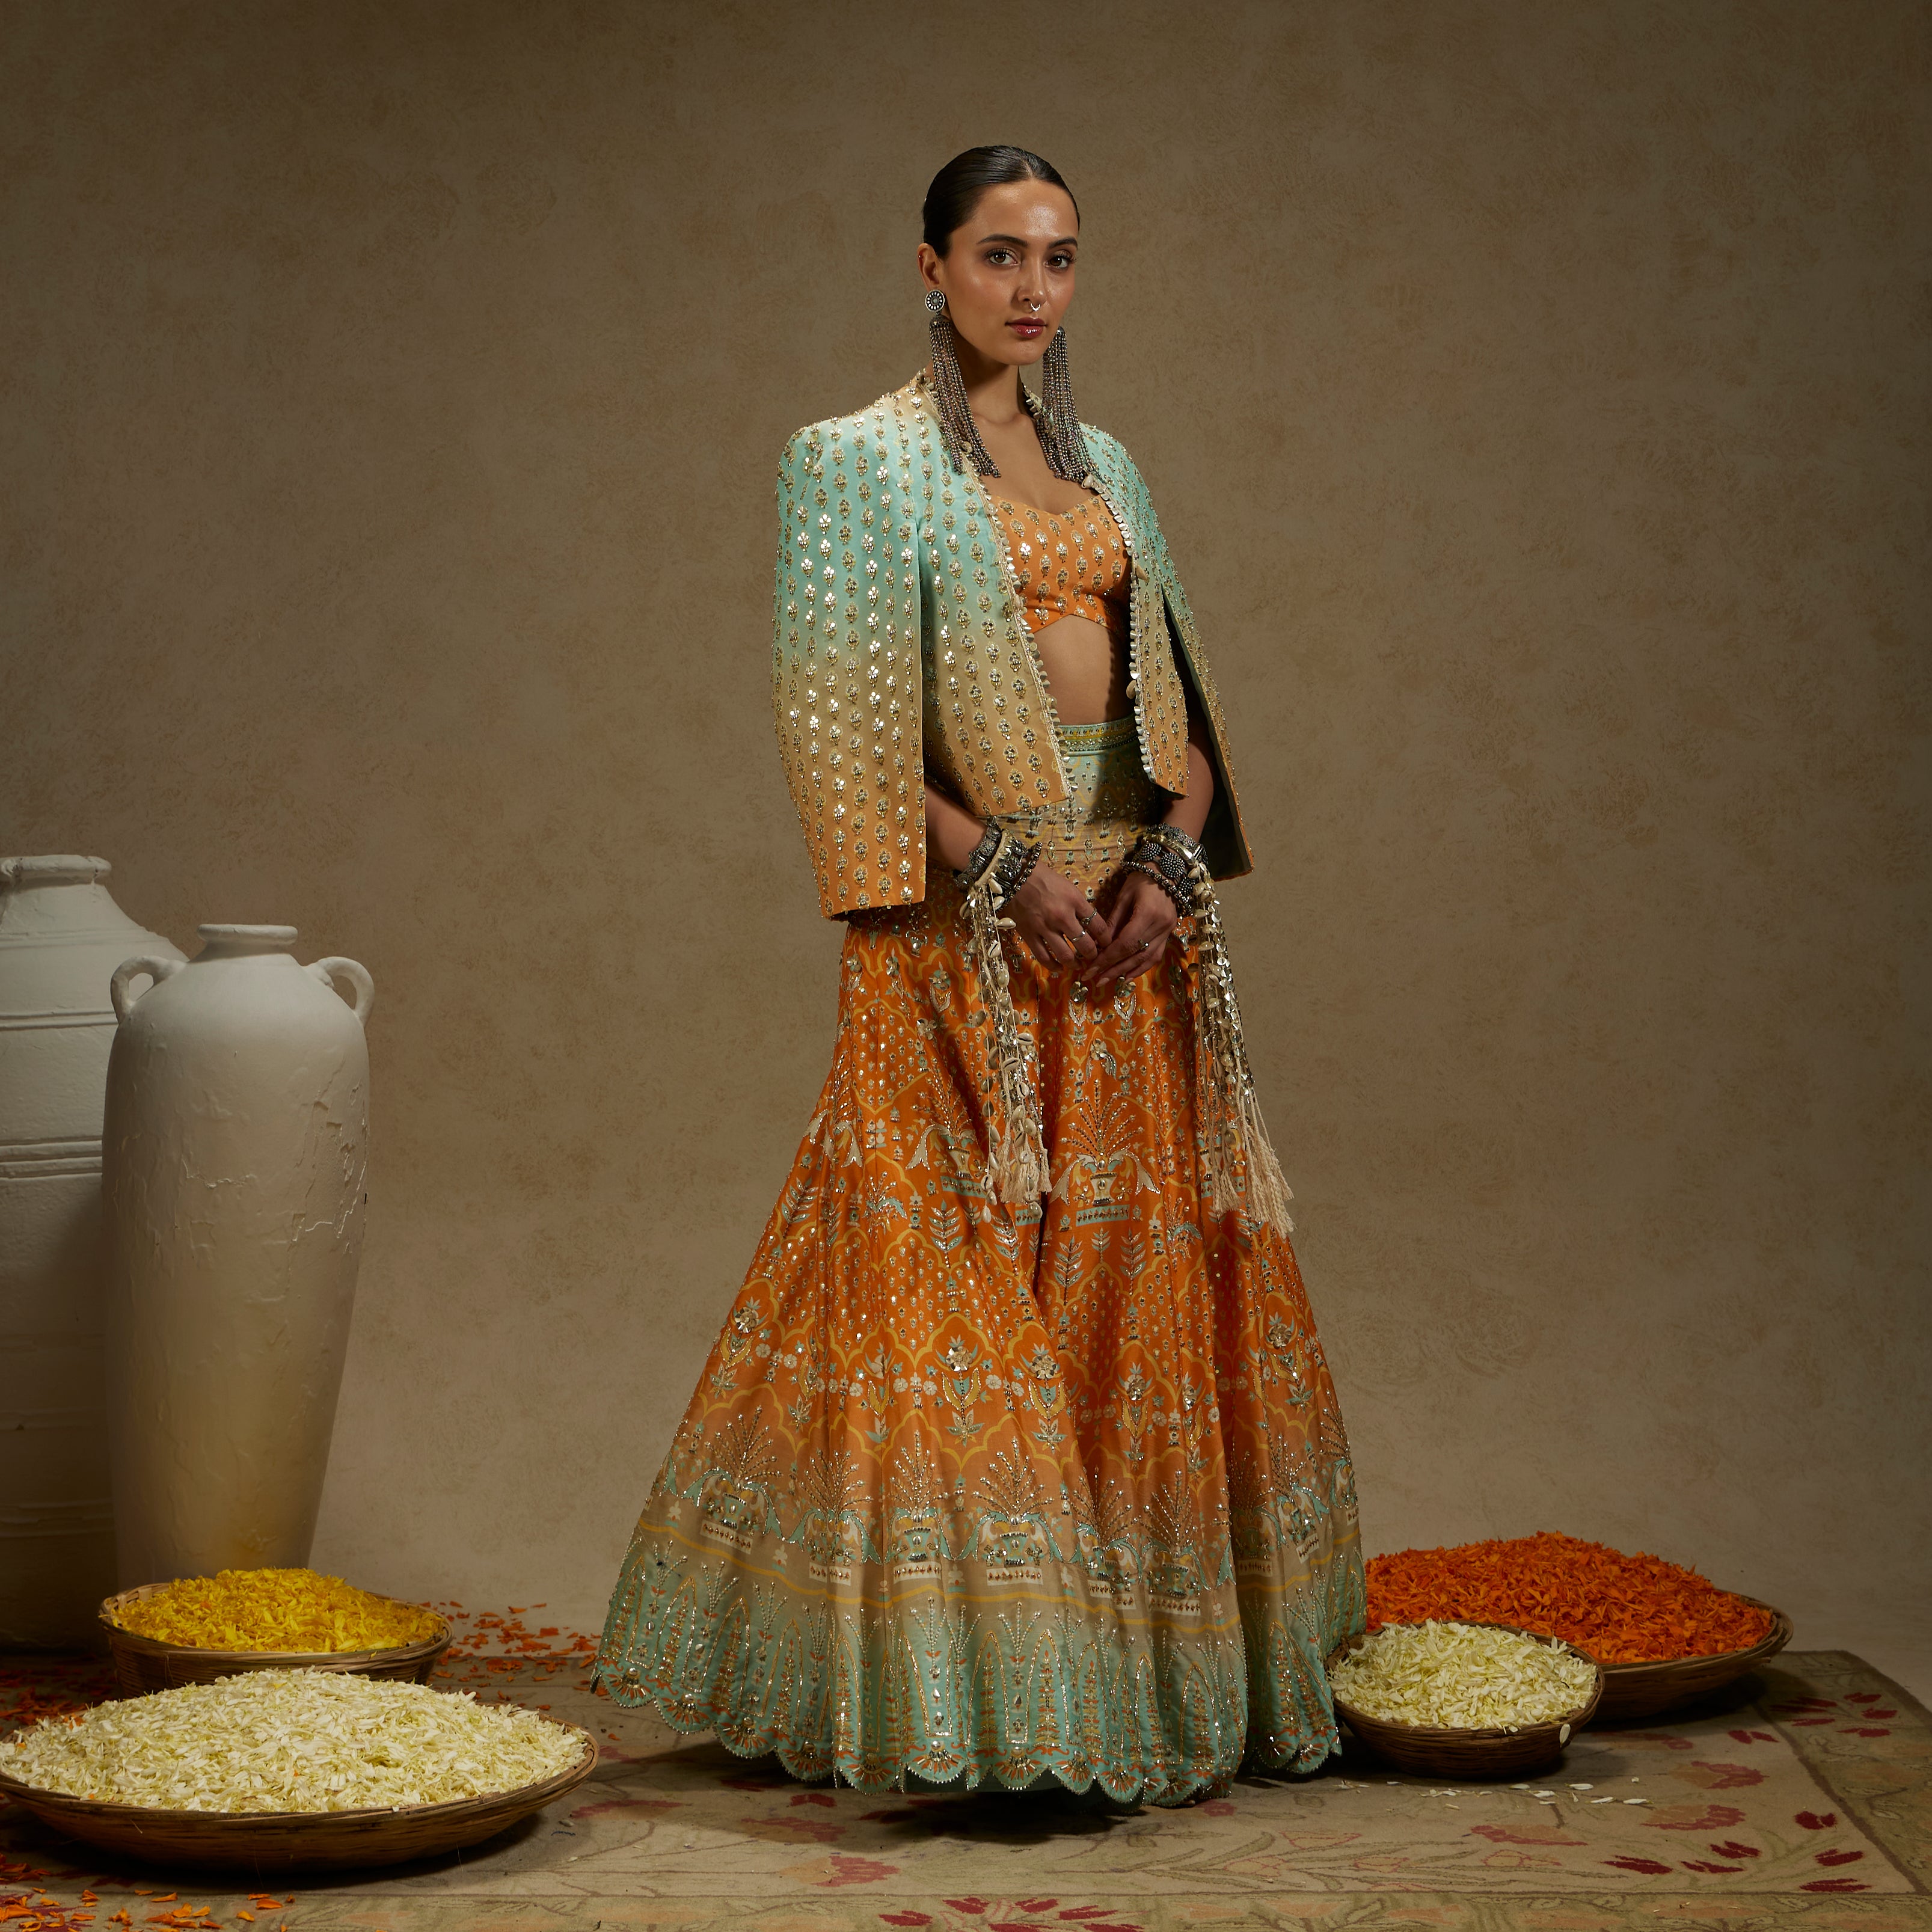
[[1067, 563]]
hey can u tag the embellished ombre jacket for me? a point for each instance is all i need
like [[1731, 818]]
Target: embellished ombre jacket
[[902, 652]]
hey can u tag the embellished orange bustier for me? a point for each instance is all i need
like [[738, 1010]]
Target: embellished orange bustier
[[1067, 563]]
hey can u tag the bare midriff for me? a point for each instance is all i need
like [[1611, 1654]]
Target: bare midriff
[[1071, 567], [1085, 666]]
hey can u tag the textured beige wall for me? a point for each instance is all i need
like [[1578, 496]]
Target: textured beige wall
[[1536, 399]]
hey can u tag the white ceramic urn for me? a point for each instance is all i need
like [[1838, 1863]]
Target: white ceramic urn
[[61, 938], [232, 1159]]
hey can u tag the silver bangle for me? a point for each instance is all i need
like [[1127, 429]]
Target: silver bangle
[[1014, 866], [1182, 900], [1170, 866], [1185, 843], [967, 876]]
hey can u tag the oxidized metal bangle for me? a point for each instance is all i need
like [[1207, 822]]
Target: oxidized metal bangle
[[1183, 903], [1185, 843], [1014, 866], [967, 876], [1164, 863]]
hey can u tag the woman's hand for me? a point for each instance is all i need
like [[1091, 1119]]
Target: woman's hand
[[1055, 921], [1143, 919]]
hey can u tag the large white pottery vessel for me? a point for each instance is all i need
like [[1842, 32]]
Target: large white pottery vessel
[[237, 1130], [61, 938]]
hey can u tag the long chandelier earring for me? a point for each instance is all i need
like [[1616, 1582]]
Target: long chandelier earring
[[1066, 448], [955, 418]]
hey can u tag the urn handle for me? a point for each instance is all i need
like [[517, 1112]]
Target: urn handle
[[358, 976], [157, 969]]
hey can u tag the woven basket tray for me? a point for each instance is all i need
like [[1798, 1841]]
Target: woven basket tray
[[1435, 1750], [265, 1842], [144, 1663], [1633, 1690]]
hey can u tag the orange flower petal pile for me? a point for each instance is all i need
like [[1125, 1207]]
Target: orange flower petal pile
[[1621, 1609]]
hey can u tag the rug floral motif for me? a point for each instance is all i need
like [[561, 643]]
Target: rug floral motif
[[1802, 1797]]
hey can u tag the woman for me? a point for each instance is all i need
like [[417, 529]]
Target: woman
[[1017, 1457]]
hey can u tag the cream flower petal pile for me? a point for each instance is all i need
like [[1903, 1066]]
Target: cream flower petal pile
[[291, 1740], [1462, 1677]]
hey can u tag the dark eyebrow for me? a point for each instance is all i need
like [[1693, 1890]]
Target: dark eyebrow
[[1019, 240]]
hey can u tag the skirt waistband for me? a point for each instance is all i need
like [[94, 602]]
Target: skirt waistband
[[1110, 734]]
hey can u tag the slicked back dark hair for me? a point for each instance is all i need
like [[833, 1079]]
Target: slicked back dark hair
[[957, 187]]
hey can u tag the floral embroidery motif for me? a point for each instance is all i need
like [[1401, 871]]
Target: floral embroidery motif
[[970, 1492]]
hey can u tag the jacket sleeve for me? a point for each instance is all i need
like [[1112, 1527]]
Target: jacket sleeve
[[845, 670]]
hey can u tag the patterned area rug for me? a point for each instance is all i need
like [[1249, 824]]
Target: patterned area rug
[[1802, 1798]]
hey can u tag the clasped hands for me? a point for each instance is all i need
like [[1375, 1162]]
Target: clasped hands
[[1062, 928]]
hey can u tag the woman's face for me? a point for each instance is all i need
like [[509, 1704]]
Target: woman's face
[[1008, 273]]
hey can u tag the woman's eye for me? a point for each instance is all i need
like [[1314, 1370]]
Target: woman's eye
[[998, 257], [1060, 261]]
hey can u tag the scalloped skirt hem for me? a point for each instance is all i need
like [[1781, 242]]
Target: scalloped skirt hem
[[815, 1767]]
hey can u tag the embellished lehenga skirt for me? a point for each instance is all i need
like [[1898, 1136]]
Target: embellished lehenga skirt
[[972, 1492]]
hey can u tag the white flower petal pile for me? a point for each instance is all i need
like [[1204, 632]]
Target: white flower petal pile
[[291, 1740], [1462, 1677]]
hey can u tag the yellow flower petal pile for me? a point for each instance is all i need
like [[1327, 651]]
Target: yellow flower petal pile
[[1462, 1677], [291, 1740], [274, 1609]]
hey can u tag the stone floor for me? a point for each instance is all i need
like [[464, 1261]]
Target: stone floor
[[1803, 1796]]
